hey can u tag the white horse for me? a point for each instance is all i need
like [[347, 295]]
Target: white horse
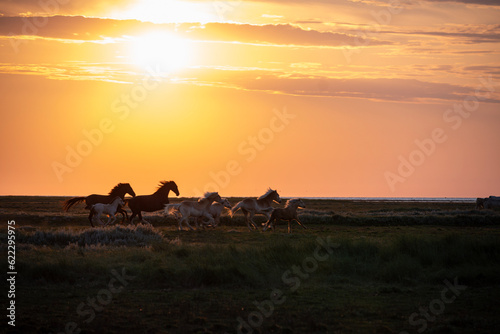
[[197, 209], [262, 205], [110, 210], [491, 202], [488, 203], [215, 211]]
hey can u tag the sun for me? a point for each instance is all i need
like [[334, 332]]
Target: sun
[[161, 50]]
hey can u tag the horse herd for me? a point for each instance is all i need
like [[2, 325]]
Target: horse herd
[[488, 203], [206, 211]]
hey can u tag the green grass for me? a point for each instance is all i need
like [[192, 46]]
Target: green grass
[[388, 264]]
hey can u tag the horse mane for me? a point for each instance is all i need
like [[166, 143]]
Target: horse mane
[[207, 195], [291, 201], [162, 186], [269, 191], [116, 188]]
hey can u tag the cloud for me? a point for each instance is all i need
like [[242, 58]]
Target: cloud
[[471, 2], [382, 89], [310, 21], [71, 27], [400, 90], [281, 34], [456, 33], [470, 34], [82, 28], [72, 71], [269, 81], [374, 2], [58, 7]]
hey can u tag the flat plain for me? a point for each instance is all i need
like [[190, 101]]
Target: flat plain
[[359, 267]]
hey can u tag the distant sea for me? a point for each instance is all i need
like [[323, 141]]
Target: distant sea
[[403, 199]]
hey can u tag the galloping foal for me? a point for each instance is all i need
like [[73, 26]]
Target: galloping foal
[[96, 210], [288, 213]]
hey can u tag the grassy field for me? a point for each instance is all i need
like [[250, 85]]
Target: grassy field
[[360, 267]]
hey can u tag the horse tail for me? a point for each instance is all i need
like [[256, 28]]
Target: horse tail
[[172, 208], [235, 208], [72, 201]]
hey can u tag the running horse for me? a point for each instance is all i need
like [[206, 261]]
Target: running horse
[[197, 209], [110, 210], [118, 191], [261, 205], [153, 202], [289, 213]]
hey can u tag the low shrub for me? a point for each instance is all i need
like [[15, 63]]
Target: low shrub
[[139, 235]]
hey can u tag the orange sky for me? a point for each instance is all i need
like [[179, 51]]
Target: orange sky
[[360, 98]]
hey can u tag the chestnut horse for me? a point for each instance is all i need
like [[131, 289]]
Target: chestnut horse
[[153, 202], [119, 190], [289, 213]]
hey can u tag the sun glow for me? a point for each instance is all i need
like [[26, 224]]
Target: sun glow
[[162, 50]]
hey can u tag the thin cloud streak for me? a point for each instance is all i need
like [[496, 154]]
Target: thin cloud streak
[[82, 28], [275, 82]]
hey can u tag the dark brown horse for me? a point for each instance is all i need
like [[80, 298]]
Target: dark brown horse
[[119, 190], [154, 202]]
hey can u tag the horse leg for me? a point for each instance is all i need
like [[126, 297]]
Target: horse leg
[[298, 221], [141, 220], [211, 220], [186, 220], [189, 225], [131, 221], [107, 222], [112, 218], [99, 220], [267, 214], [91, 216], [245, 213], [123, 213], [180, 223], [254, 225], [266, 225], [201, 222]]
